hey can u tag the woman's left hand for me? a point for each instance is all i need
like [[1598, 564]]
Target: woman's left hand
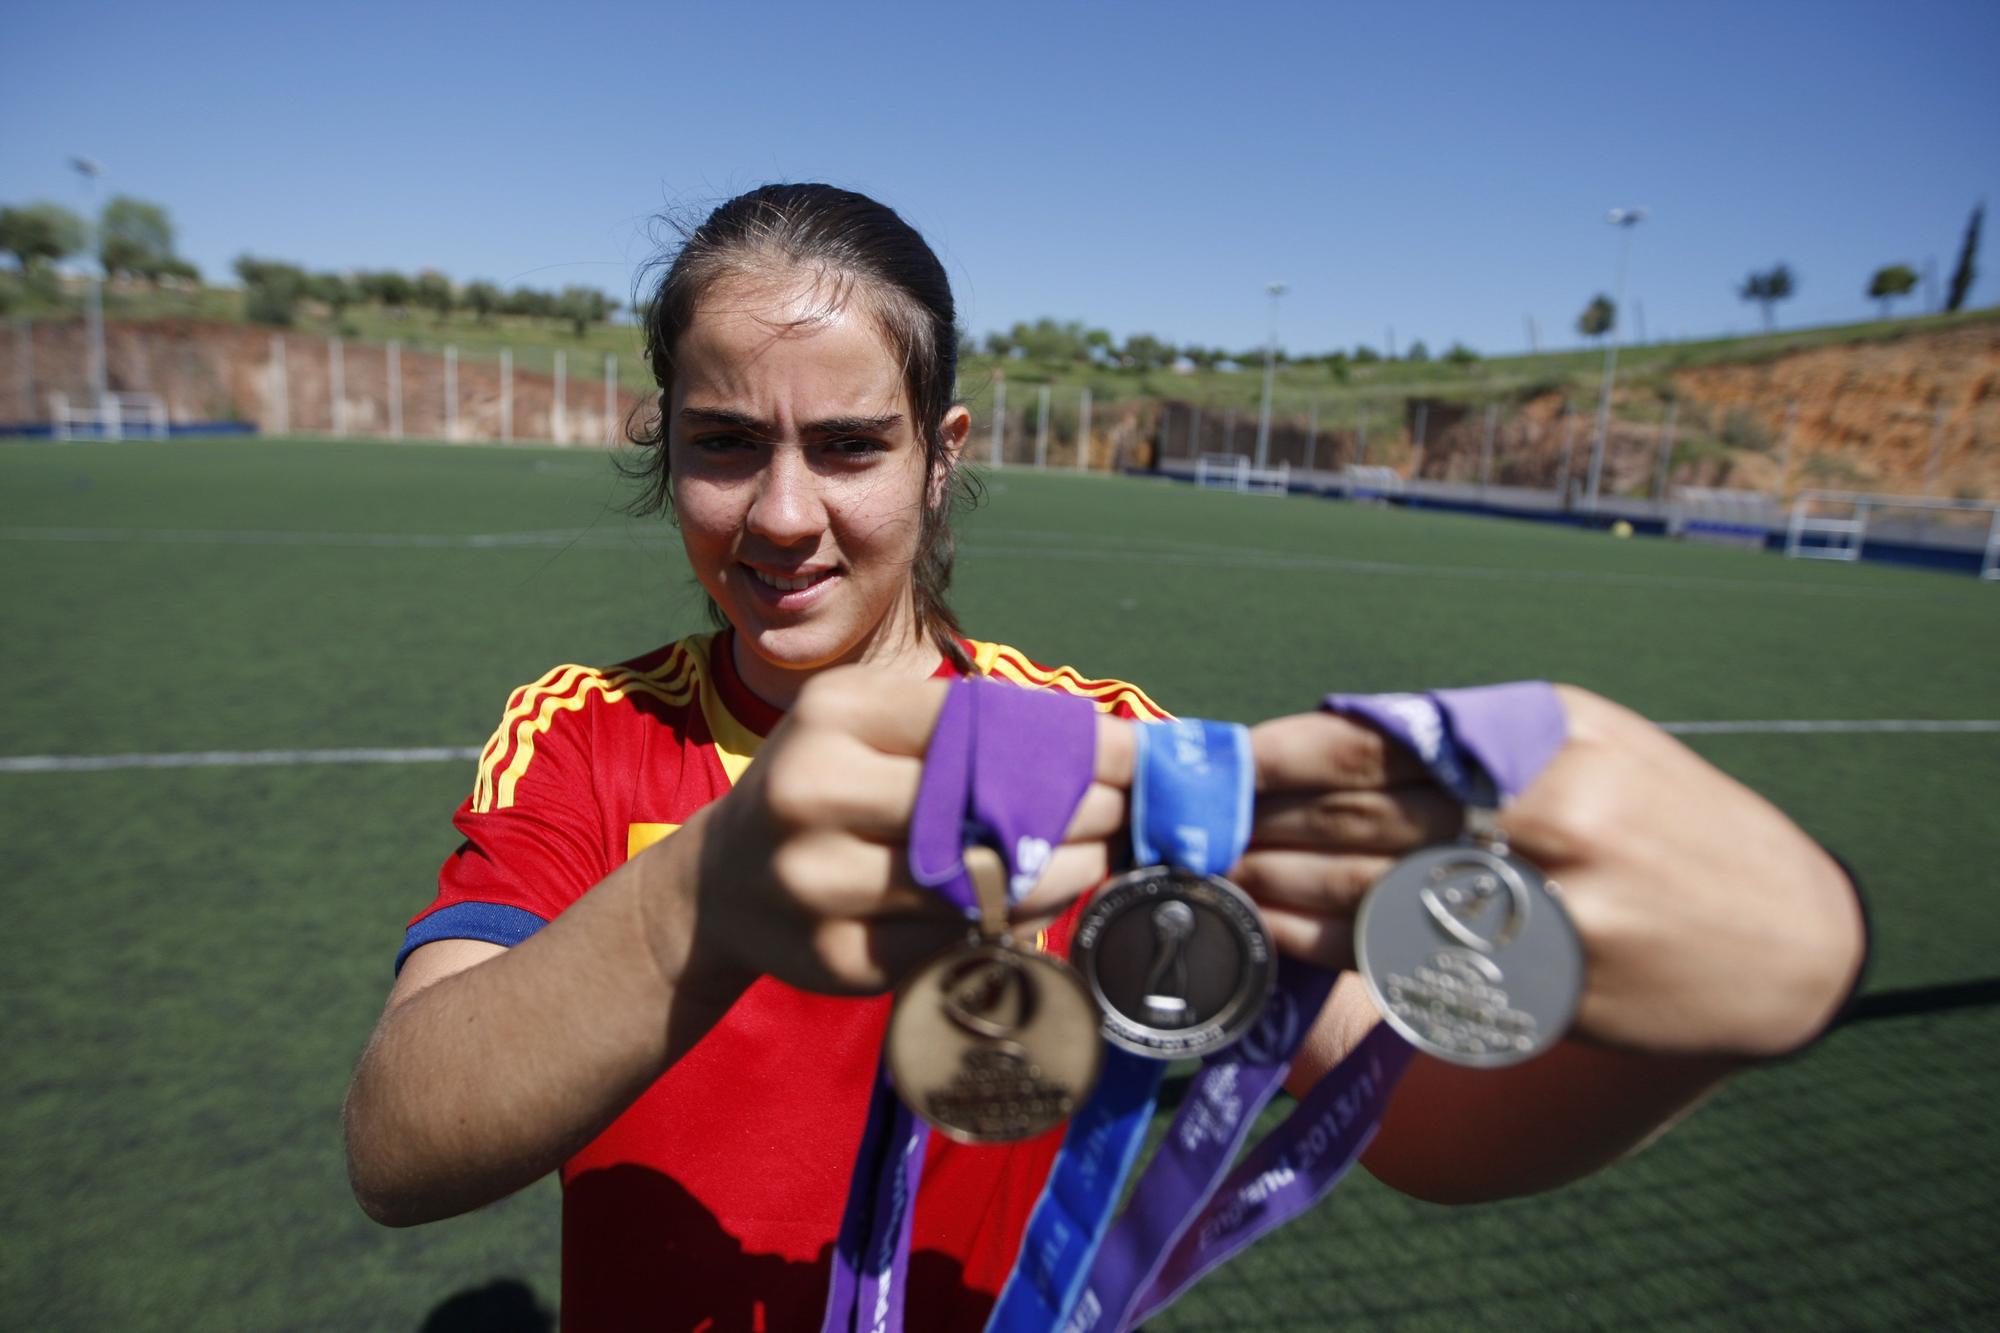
[[1710, 923]]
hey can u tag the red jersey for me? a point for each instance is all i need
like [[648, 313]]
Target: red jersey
[[714, 1200]]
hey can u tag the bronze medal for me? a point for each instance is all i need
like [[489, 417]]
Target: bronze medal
[[989, 1041]]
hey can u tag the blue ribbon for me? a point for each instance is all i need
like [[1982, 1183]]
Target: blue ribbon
[[1191, 794]]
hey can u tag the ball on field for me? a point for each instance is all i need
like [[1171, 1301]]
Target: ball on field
[[1621, 529]]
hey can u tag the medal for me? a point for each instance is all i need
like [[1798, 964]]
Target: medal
[[992, 1042], [1469, 954], [1179, 962]]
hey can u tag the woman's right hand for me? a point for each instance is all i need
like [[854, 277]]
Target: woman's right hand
[[801, 873]]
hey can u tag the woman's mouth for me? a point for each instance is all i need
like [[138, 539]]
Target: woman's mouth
[[792, 590]]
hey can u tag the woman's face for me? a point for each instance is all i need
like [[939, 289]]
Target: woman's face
[[799, 481]]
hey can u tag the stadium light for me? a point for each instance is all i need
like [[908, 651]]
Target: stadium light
[[1624, 219], [1276, 290], [90, 169]]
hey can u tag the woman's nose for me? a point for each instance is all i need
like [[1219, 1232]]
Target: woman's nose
[[788, 508]]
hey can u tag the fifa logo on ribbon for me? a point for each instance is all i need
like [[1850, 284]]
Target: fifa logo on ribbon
[[1031, 858]]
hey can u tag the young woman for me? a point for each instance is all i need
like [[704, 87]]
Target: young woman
[[658, 967]]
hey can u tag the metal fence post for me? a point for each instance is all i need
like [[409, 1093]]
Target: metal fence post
[[1312, 436], [1361, 432], [1083, 433], [506, 393], [395, 355], [1937, 448], [1486, 446], [280, 404], [336, 385], [610, 398], [999, 414], [1785, 455], [24, 365], [1666, 449], [558, 427], [1042, 428], [450, 391], [1569, 447]]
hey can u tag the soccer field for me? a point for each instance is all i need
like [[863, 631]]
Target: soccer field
[[196, 953]]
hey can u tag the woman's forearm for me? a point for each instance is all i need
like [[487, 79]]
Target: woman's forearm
[[487, 1079]]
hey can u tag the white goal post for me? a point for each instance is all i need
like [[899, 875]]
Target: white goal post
[[1234, 472], [112, 417], [1371, 482], [1836, 525], [1726, 517]]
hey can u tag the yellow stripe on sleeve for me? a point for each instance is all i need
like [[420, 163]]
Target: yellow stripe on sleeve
[[1006, 664], [566, 689]]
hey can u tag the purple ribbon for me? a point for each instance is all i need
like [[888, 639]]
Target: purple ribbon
[[1215, 1117], [1483, 745], [1006, 767], [1295, 1167]]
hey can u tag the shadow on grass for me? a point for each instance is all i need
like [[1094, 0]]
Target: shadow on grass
[[505, 1305]]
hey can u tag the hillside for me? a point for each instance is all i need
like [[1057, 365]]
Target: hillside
[[1908, 406]]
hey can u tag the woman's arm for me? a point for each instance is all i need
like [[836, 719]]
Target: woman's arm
[[488, 1068], [1716, 934]]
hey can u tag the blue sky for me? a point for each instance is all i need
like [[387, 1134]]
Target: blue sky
[[1443, 169]]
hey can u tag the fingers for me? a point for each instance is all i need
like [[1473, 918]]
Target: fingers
[[1326, 942], [893, 716], [1115, 748], [1308, 882], [899, 719], [1395, 820], [834, 779], [1313, 751]]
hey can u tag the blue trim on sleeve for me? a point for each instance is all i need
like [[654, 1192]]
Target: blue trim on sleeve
[[495, 923]]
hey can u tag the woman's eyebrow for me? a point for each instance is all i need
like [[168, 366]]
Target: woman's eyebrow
[[718, 416], [855, 425], [722, 416]]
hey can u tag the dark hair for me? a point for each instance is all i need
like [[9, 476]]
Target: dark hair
[[853, 247]]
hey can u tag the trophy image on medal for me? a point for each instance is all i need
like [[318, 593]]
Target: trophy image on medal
[[1179, 962]]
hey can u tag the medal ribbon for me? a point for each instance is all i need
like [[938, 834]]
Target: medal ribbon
[[1191, 794], [1480, 744], [987, 738]]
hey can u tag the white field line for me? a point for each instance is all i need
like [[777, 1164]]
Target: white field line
[[1107, 549], [1250, 558], [255, 537], [98, 763], [437, 754], [1826, 728]]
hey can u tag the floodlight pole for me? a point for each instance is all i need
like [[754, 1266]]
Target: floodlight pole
[[1276, 290], [93, 309], [1624, 219]]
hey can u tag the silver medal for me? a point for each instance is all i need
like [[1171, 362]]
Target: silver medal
[[1179, 963], [1470, 955]]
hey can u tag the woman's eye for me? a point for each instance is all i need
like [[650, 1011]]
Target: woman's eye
[[857, 447]]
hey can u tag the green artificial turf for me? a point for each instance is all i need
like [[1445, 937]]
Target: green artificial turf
[[195, 956]]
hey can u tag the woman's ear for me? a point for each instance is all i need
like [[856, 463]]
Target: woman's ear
[[956, 430], [953, 432]]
